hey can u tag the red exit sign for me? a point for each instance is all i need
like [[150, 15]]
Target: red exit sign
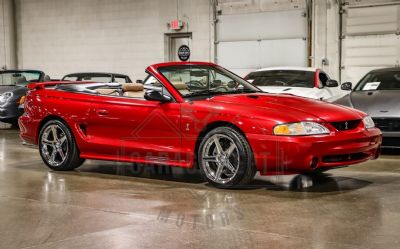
[[176, 24]]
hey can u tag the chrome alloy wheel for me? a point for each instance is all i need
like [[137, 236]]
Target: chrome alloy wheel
[[54, 145], [220, 158]]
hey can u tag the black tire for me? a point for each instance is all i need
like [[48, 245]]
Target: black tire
[[72, 159], [246, 167]]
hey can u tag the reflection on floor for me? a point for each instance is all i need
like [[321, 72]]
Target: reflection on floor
[[116, 205]]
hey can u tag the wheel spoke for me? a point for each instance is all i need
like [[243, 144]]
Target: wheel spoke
[[231, 148], [47, 142], [230, 167], [218, 145], [54, 132], [63, 139], [54, 154], [219, 172], [210, 159], [61, 153]]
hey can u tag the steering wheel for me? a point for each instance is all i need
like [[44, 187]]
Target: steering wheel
[[225, 88], [194, 84]]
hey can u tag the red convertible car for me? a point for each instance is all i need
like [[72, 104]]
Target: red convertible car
[[194, 115]]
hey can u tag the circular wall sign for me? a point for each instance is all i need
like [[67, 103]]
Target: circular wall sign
[[184, 53]]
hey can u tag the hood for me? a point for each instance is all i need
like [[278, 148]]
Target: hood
[[4, 89], [381, 103], [298, 91], [293, 107]]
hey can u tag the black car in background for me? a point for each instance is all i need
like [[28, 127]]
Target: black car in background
[[13, 89], [98, 77]]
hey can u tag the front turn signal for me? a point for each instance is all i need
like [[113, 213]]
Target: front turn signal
[[21, 100]]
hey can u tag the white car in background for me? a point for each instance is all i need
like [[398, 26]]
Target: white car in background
[[300, 81]]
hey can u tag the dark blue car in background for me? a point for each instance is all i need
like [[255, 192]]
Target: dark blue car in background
[[13, 88]]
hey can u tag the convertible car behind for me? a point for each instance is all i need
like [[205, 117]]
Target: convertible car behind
[[194, 115], [13, 89]]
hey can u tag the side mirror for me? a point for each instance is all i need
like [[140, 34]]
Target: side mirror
[[139, 81], [347, 86], [332, 83], [157, 96]]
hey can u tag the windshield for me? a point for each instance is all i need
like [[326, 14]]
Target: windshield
[[101, 78], [18, 78], [286, 78], [205, 80], [389, 80]]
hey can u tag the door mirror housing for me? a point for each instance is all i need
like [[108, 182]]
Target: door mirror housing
[[332, 83], [156, 95], [347, 86]]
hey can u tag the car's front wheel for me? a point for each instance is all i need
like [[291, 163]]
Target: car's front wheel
[[225, 158], [57, 147]]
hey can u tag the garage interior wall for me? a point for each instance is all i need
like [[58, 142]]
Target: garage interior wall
[[7, 35], [124, 36], [64, 36], [352, 37]]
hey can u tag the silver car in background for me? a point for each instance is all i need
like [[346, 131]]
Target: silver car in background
[[378, 94]]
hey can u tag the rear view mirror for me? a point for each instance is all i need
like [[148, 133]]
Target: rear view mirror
[[157, 96], [347, 86], [139, 81], [332, 83]]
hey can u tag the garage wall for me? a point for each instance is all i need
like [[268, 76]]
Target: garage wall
[[7, 35], [64, 36], [349, 58]]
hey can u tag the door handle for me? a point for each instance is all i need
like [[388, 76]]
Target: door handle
[[102, 112]]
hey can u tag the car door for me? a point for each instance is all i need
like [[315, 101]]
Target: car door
[[135, 129]]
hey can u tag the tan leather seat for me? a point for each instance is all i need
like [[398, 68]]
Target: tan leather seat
[[133, 90], [181, 87], [107, 91]]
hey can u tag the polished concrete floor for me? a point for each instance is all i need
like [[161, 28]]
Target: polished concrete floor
[[114, 205]]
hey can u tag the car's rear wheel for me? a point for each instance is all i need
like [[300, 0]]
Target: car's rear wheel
[[225, 158], [57, 147]]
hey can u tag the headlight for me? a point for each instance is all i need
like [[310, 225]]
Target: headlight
[[300, 129], [368, 122], [5, 97]]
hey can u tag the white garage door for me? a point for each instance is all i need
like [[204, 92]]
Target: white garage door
[[256, 40], [371, 39]]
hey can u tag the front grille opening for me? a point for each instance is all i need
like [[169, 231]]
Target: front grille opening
[[344, 157], [391, 142], [387, 124], [346, 125]]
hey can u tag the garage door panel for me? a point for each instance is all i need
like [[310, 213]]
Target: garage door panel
[[250, 41], [239, 55], [371, 51], [371, 20], [263, 25], [288, 52]]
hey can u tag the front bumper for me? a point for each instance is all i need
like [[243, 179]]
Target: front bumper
[[391, 140], [292, 155], [10, 113]]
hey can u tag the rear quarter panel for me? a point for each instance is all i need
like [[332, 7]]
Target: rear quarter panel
[[72, 108]]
